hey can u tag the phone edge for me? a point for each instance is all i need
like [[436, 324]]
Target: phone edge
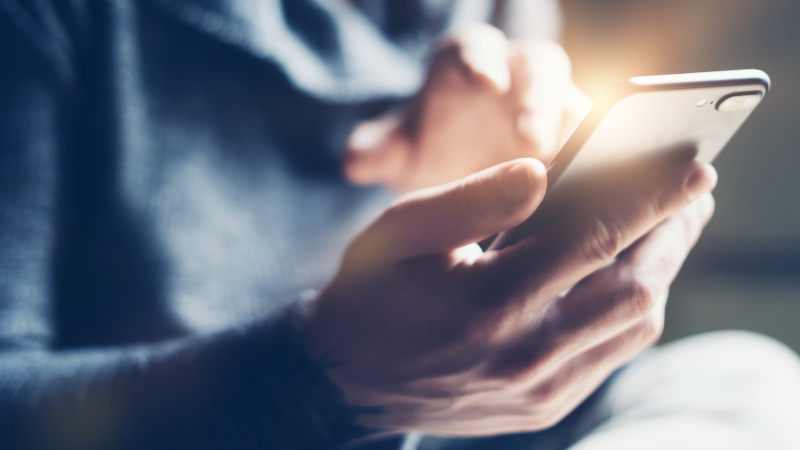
[[625, 88]]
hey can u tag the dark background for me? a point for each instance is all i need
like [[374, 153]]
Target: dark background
[[745, 272]]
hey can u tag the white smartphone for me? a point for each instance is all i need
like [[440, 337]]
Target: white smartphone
[[638, 125]]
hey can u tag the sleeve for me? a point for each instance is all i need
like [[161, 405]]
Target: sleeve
[[251, 387], [242, 389]]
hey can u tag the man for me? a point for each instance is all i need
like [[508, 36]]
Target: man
[[170, 186]]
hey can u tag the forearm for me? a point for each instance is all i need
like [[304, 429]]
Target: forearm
[[246, 388]]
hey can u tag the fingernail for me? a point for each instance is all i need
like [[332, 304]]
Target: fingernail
[[516, 183], [700, 181]]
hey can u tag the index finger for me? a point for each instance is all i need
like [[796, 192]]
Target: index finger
[[540, 79], [623, 293]]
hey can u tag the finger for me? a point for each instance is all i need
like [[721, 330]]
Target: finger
[[576, 106], [540, 74], [612, 299], [578, 378], [567, 251], [376, 151], [441, 219], [382, 150], [682, 230], [613, 350], [616, 296], [483, 52]]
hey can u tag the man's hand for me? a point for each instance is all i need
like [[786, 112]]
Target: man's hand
[[485, 101], [448, 339]]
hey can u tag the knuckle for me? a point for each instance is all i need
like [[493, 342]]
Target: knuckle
[[639, 297], [448, 62], [546, 357], [487, 326], [520, 365], [604, 241], [450, 47], [546, 394], [649, 330]]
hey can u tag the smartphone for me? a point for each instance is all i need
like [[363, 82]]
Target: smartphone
[[638, 126]]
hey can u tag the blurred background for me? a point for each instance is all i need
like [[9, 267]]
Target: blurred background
[[745, 272]]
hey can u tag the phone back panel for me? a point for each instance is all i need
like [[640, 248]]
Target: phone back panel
[[637, 126]]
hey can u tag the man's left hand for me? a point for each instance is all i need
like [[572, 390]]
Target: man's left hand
[[486, 100]]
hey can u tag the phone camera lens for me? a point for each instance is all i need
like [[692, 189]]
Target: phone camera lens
[[738, 101]]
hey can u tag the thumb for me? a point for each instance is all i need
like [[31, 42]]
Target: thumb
[[441, 219], [376, 151]]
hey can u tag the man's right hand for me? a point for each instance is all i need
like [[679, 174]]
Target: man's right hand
[[450, 340]]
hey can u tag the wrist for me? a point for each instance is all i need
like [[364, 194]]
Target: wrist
[[324, 401]]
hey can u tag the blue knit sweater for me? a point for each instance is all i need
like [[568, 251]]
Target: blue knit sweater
[[169, 187]]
